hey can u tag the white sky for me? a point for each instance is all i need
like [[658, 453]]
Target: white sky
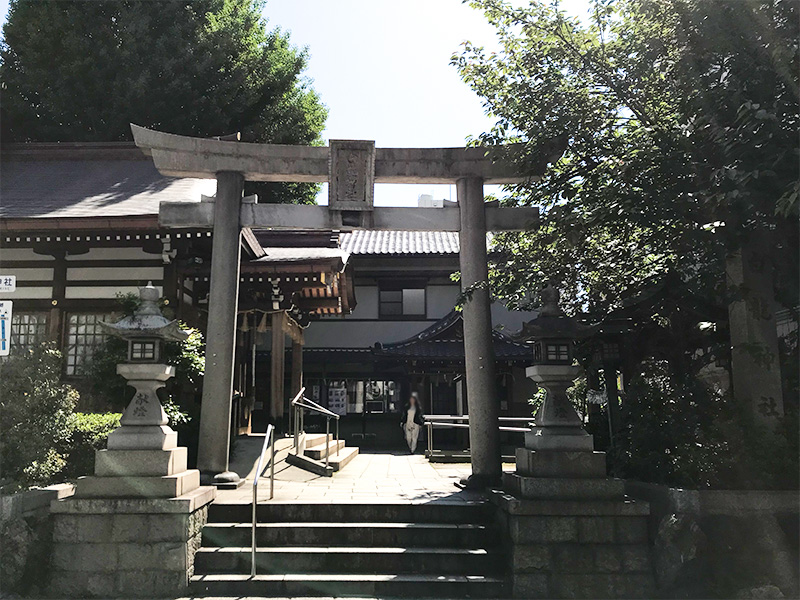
[[383, 70]]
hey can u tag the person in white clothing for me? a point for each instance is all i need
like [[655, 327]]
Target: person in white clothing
[[412, 420]]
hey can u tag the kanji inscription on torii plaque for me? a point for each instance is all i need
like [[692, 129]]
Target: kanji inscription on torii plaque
[[351, 175]]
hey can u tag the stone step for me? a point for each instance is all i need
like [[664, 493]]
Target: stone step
[[339, 461], [140, 463], [352, 559], [169, 486], [428, 512], [312, 440], [375, 585], [464, 535], [309, 464], [317, 452]]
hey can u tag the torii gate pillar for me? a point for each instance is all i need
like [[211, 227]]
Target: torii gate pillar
[[223, 299], [478, 347]]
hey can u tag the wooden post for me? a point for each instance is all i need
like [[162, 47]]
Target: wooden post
[[277, 366], [297, 368]]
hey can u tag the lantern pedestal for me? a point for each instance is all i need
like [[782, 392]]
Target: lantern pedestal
[[143, 425], [558, 460], [556, 425], [143, 458]]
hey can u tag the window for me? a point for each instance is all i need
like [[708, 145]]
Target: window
[[402, 302], [557, 352], [28, 330], [84, 335], [143, 351]]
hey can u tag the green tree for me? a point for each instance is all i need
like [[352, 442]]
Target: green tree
[[681, 120], [82, 71]]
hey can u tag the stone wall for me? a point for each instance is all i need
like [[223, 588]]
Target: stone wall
[[26, 538], [127, 547], [576, 548], [723, 543]]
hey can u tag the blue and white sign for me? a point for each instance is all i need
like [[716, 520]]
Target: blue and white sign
[[5, 326]]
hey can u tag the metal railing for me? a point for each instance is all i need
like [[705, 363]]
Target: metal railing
[[269, 438], [301, 404], [462, 422]]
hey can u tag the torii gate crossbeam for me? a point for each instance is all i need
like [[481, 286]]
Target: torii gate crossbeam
[[351, 168]]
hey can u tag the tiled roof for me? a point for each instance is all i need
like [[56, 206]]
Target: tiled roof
[[399, 242], [90, 188], [444, 340]]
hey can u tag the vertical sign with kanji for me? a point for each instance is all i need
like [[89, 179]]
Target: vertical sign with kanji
[[5, 326]]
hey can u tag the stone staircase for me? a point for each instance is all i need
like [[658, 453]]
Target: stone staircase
[[313, 456], [433, 550]]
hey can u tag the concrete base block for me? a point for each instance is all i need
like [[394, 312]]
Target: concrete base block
[[590, 548], [169, 486], [568, 489], [126, 548], [538, 439], [140, 463], [575, 465], [143, 437]]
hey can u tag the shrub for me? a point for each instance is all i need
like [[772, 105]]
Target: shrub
[[35, 417], [89, 433], [679, 432]]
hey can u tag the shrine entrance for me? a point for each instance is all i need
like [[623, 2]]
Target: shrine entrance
[[351, 168]]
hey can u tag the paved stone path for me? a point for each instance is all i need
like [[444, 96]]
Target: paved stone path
[[368, 478]]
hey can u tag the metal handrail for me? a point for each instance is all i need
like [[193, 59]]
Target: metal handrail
[[300, 402], [295, 423], [466, 418], [446, 422], [269, 437]]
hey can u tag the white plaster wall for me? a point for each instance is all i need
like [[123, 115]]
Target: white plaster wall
[[74, 293], [28, 293], [353, 331], [29, 274], [114, 273], [21, 254], [441, 300], [366, 303]]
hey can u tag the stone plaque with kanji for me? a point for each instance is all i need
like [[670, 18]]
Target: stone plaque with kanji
[[352, 175]]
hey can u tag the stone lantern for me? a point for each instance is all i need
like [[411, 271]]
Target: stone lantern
[[556, 425], [144, 423], [132, 528]]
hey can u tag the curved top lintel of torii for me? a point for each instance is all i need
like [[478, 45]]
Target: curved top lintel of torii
[[183, 156]]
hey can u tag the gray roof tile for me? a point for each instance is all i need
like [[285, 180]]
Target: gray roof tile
[[90, 188], [399, 242]]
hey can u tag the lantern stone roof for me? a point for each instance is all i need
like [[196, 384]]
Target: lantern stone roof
[[444, 340], [147, 321]]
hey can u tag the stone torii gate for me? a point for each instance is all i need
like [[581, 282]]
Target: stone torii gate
[[351, 168]]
